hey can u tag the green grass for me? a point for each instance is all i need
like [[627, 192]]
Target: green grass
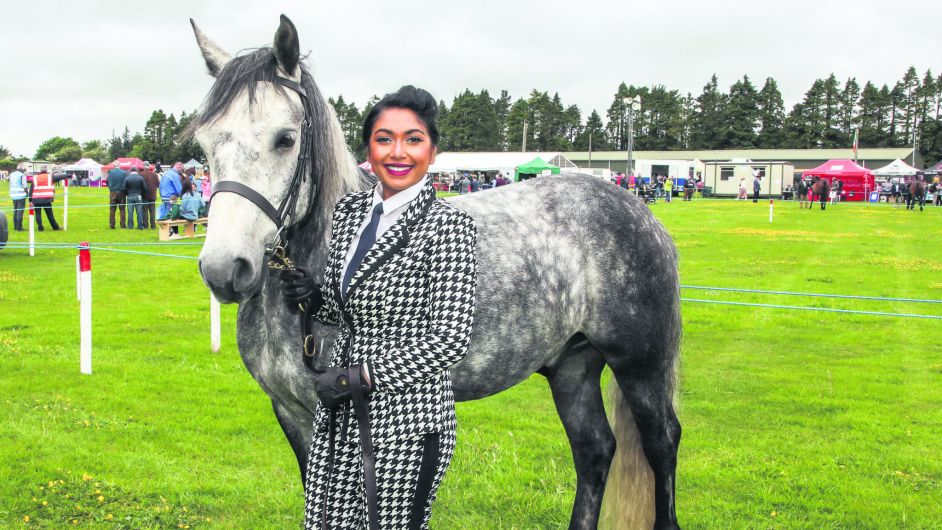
[[791, 419]]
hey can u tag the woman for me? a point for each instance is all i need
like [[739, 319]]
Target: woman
[[191, 202], [404, 305]]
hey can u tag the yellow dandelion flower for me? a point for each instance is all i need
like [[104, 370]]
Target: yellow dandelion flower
[[109, 517], [180, 525], [74, 521], [61, 481], [184, 508], [97, 491], [45, 503], [774, 513], [86, 477], [25, 518], [101, 498], [35, 499], [51, 483], [98, 484]]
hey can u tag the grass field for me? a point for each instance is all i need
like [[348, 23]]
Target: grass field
[[791, 419]]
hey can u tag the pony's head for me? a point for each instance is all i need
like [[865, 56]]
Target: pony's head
[[250, 127]]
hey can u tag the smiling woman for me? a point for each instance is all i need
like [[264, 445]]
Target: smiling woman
[[401, 138], [400, 283]]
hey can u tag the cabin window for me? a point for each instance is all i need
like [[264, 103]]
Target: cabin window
[[758, 171], [726, 172]]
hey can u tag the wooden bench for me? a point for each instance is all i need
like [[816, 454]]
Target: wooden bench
[[189, 228]]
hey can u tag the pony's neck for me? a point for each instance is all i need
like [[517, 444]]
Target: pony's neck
[[337, 175]]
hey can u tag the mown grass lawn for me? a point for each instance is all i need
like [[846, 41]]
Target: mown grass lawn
[[791, 419]]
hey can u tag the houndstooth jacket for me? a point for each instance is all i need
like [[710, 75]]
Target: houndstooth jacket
[[408, 312]]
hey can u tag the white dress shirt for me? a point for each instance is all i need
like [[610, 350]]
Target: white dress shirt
[[393, 208]]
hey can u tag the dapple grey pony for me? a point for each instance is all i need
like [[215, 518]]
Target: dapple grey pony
[[574, 275]]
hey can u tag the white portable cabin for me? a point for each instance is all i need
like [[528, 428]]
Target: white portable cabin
[[723, 178]]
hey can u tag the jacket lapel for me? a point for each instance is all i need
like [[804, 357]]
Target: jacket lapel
[[393, 239], [354, 214]]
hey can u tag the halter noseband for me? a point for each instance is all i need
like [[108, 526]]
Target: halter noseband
[[286, 210]]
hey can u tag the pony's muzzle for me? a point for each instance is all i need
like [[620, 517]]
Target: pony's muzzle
[[232, 284]]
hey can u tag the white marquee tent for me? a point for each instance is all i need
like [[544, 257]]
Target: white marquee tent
[[896, 168], [193, 163], [89, 166]]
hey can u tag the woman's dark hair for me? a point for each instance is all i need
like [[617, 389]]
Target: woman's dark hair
[[408, 97], [187, 187]]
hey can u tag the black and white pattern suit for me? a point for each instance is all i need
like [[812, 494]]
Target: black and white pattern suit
[[407, 315]]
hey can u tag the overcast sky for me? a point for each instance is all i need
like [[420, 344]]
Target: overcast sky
[[83, 69]]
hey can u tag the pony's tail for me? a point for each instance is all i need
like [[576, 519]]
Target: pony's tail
[[629, 492]]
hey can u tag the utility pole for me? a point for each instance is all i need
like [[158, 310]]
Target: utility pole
[[523, 148]]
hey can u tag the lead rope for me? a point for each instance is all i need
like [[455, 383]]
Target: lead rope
[[280, 261]]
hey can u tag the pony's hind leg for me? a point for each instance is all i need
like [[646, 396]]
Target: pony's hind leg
[[649, 392], [575, 383]]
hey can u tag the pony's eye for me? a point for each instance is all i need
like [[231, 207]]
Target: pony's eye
[[286, 140]]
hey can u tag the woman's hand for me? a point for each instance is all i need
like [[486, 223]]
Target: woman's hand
[[333, 386], [299, 288]]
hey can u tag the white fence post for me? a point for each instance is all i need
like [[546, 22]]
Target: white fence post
[[65, 213], [85, 308], [771, 208], [32, 231], [214, 332]]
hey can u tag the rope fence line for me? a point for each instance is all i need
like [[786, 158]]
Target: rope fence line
[[110, 248], [140, 253], [818, 295], [71, 206], [806, 308]]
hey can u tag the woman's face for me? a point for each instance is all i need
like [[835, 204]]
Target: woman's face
[[400, 150]]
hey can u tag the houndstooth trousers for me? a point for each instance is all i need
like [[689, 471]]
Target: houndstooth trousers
[[408, 473]]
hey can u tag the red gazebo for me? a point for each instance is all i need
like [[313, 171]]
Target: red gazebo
[[858, 180]]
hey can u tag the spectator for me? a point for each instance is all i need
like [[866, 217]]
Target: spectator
[[743, 194], [802, 193], [134, 188], [688, 189], [668, 189], [756, 187], [465, 185], [206, 188], [149, 197], [191, 202], [117, 197], [18, 187], [475, 184], [171, 188], [42, 193]]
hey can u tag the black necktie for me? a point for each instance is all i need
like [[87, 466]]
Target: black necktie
[[366, 241]]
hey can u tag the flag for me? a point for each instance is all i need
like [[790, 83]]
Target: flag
[[855, 144]]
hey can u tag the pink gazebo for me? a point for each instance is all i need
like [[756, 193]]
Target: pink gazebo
[[858, 180]]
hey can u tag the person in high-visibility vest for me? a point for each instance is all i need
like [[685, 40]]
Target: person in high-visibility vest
[[18, 186], [42, 191]]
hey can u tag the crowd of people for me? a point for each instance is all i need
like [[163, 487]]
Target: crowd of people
[[660, 186], [182, 195]]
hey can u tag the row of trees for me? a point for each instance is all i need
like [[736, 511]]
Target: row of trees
[[742, 117], [163, 139]]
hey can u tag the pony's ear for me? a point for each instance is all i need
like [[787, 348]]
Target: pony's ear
[[287, 49], [215, 57]]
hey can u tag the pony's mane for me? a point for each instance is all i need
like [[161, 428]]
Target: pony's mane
[[333, 167]]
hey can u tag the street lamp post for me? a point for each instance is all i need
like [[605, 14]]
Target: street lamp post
[[632, 105]]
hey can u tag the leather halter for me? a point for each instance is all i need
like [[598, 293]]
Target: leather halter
[[285, 213]]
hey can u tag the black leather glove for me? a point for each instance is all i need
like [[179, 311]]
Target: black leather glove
[[299, 288], [333, 386]]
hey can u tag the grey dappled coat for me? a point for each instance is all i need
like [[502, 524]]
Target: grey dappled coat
[[408, 312]]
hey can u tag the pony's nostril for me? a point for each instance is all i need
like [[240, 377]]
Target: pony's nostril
[[242, 275]]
